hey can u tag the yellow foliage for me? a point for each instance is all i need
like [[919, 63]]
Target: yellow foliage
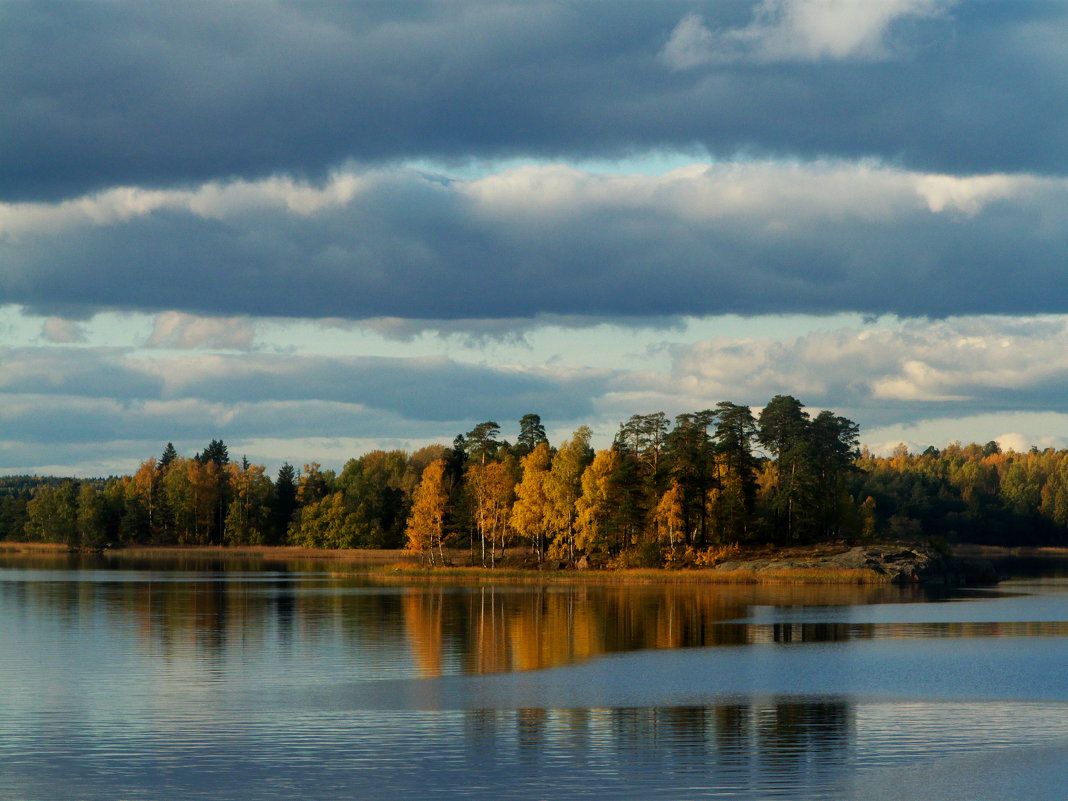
[[701, 557]]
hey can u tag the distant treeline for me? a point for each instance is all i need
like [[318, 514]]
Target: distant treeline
[[663, 490]]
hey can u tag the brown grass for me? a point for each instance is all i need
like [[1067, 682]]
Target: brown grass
[[640, 576], [273, 552], [32, 547], [404, 564]]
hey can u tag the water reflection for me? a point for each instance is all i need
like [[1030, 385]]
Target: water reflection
[[772, 739], [177, 684], [440, 630]]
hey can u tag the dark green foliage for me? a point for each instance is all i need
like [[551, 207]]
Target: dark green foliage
[[284, 503], [52, 514], [531, 434], [169, 455], [785, 434], [481, 441], [969, 494], [134, 525], [215, 452], [691, 462], [15, 494], [375, 499], [834, 454], [735, 433], [642, 441]]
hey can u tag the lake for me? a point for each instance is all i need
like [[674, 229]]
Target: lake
[[201, 679]]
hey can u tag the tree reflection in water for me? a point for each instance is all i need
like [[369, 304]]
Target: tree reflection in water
[[197, 681], [788, 741]]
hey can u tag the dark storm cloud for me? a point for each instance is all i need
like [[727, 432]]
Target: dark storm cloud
[[748, 239], [99, 94]]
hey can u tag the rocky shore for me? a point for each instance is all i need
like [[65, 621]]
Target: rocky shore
[[899, 563]]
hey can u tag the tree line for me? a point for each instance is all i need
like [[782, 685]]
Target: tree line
[[664, 489]]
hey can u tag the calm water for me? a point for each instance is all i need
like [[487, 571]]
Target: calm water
[[268, 681]]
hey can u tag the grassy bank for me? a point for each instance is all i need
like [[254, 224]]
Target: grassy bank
[[640, 576], [32, 547], [266, 552], [404, 565]]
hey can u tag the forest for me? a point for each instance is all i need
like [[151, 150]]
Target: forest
[[664, 492]]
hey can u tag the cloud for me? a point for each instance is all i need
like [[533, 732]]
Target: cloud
[[481, 331], [84, 372], [60, 331], [889, 373], [690, 44], [416, 388], [745, 238], [160, 96], [798, 30], [903, 380], [50, 420], [89, 410], [1038, 429], [184, 331]]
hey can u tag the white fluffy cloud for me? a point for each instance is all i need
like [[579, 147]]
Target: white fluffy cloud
[[798, 30], [890, 372]]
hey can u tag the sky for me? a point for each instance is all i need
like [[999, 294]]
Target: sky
[[312, 229]]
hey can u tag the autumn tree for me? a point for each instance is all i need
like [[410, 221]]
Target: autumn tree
[[597, 524], [491, 489], [248, 518], [147, 485], [315, 484], [670, 515], [207, 480], [176, 489], [530, 513], [426, 522], [563, 486]]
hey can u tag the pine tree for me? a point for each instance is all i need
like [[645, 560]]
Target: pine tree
[[531, 434]]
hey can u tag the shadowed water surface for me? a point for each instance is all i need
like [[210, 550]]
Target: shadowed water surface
[[269, 681]]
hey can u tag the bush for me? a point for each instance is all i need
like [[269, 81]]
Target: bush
[[692, 557]]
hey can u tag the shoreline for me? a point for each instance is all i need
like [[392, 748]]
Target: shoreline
[[821, 563]]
